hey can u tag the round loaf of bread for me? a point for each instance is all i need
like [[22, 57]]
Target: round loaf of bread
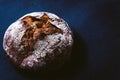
[[38, 40]]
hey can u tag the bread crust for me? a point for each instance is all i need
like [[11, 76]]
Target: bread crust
[[38, 40]]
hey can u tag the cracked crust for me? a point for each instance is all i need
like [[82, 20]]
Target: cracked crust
[[38, 40]]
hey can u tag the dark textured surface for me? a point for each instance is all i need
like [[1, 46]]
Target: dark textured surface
[[97, 26]]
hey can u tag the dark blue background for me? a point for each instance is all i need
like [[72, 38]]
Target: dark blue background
[[97, 28]]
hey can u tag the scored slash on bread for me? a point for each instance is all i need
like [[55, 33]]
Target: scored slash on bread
[[38, 28]]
